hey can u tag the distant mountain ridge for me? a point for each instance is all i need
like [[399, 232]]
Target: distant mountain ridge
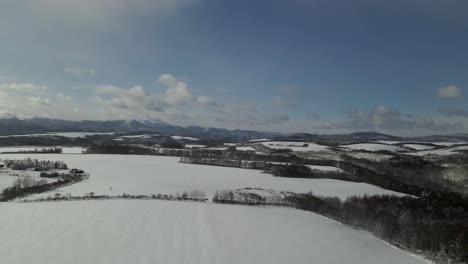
[[15, 126]]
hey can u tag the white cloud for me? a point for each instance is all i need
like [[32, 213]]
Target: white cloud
[[77, 71], [24, 87], [449, 92], [206, 101], [3, 97], [177, 92], [177, 95], [454, 112], [39, 101], [6, 114], [64, 97], [389, 120], [95, 99]]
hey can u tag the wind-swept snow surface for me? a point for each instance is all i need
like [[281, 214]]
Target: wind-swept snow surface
[[152, 175], [122, 232]]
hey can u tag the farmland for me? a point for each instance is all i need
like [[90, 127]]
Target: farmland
[[151, 175], [178, 232]]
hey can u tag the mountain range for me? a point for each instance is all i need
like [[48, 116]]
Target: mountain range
[[15, 126]]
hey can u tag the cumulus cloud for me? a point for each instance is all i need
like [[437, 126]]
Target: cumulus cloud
[[64, 97], [39, 101], [6, 114], [389, 120], [24, 87], [380, 116], [95, 99], [3, 97], [177, 92], [176, 95], [77, 71], [449, 92]]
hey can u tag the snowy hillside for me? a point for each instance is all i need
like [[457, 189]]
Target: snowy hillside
[[294, 146], [441, 152], [373, 147], [122, 232], [418, 146]]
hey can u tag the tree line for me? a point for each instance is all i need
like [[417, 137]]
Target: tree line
[[38, 165], [24, 186], [435, 224]]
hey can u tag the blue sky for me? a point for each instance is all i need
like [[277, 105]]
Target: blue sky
[[318, 66]]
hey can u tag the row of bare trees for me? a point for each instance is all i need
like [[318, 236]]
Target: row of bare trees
[[39, 165]]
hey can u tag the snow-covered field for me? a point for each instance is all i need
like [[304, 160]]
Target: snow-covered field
[[418, 146], [65, 150], [373, 147], [245, 148], [7, 177], [324, 168], [124, 231], [195, 146], [294, 146], [440, 152], [137, 136], [152, 174], [6, 181], [312, 167], [187, 138], [61, 134], [448, 144], [369, 156]]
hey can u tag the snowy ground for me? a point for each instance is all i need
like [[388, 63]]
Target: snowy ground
[[122, 231], [138, 136], [324, 168], [369, 156], [373, 147], [187, 138], [195, 146], [61, 134], [245, 148], [448, 144], [418, 146], [152, 174], [65, 150], [8, 176], [294, 146], [6, 181], [440, 152], [312, 167]]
